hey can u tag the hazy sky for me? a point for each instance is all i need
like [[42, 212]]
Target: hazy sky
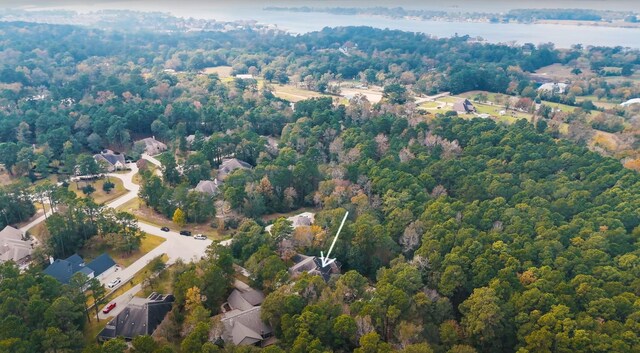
[[191, 7]]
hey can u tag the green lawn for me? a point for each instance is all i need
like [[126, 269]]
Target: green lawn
[[100, 196], [148, 215], [93, 328], [98, 246]]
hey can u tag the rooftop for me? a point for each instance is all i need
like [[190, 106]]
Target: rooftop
[[140, 317]]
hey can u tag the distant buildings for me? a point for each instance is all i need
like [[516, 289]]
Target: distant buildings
[[111, 160], [63, 270], [14, 246], [245, 77], [551, 87], [153, 146], [141, 317], [464, 106]]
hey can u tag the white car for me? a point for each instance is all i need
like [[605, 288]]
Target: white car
[[200, 237], [114, 283]]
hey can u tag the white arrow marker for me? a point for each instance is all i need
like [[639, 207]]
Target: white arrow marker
[[325, 260]]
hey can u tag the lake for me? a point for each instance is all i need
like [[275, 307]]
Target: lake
[[563, 36]]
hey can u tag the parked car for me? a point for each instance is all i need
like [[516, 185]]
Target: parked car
[[185, 233], [200, 237], [108, 308], [114, 283], [164, 229]]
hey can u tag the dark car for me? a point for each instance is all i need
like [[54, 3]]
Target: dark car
[[186, 233], [108, 308], [164, 229]]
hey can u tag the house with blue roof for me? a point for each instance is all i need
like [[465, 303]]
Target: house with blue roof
[[63, 270]]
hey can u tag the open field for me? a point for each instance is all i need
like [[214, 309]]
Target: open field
[[222, 71], [148, 215], [295, 94], [100, 196], [97, 246], [374, 96], [560, 72]]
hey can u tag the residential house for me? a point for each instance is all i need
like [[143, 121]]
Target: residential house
[[229, 165], [299, 220], [111, 160], [464, 106], [241, 321], [210, 187], [141, 317], [63, 270], [15, 246], [153, 146], [313, 266]]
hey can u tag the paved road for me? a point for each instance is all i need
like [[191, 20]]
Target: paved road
[[175, 245]]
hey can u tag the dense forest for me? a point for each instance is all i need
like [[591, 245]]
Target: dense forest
[[463, 235]]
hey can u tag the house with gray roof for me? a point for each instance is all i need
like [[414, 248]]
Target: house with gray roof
[[246, 328], [141, 317], [153, 146], [111, 160], [241, 321], [63, 270], [313, 266], [229, 165], [464, 106], [210, 187], [15, 246]]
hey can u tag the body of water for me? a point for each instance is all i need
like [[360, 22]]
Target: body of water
[[563, 36]]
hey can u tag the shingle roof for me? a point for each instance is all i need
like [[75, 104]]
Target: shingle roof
[[245, 300], [13, 246], [313, 266], [207, 186], [140, 317], [245, 327], [229, 165], [62, 270], [101, 263], [111, 157]]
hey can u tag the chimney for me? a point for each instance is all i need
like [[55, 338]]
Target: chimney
[[50, 260]]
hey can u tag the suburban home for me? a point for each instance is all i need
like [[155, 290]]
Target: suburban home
[[111, 160], [153, 146], [299, 220], [15, 246], [313, 266], [210, 187], [464, 106], [141, 317], [229, 165], [241, 320], [63, 270]]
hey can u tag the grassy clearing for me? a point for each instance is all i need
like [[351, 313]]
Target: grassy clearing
[[222, 71], [98, 246], [429, 105], [294, 94], [100, 196], [148, 215]]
